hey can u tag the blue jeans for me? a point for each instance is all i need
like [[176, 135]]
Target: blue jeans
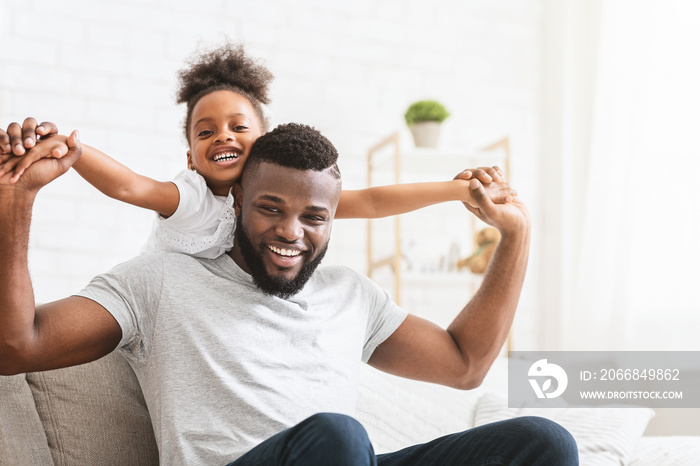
[[334, 439]]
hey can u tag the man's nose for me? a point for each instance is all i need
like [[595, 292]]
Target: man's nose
[[290, 229]]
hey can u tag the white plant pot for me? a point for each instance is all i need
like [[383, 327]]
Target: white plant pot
[[425, 133]]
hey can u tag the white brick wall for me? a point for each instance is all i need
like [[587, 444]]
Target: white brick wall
[[348, 68]]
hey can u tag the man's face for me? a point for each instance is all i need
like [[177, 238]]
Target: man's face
[[284, 225]]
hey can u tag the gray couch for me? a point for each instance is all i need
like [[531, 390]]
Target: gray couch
[[95, 414]]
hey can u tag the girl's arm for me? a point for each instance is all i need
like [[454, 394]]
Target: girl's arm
[[121, 183], [103, 172], [384, 201]]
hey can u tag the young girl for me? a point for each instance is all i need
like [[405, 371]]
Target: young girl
[[225, 92]]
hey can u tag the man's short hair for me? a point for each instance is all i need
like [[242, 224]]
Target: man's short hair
[[296, 146]]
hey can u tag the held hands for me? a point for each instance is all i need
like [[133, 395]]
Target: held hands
[[18, 139], [43, 162], [494, 182], [19, 149], [494, 201]]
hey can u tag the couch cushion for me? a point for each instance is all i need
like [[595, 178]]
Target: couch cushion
[[22, 438], [95, 414], [399, 412]]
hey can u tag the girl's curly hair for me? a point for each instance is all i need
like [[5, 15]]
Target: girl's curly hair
[[224, 68]]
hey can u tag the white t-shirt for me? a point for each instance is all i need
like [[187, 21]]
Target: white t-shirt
[[224, 366], [202, 225]]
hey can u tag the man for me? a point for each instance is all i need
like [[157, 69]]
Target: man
[[253, 356]]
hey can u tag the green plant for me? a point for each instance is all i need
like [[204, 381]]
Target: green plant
[[426, 110]]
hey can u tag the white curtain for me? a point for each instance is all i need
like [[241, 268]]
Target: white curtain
[[630, 235]]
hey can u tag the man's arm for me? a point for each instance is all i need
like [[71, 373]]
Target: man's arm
[[462, 355], [63, 333]]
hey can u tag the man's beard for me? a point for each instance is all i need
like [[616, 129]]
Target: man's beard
[[277, 286]]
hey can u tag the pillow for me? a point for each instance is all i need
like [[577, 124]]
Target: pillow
[[22, 438], [605, 436], [672, 450], [95, 414]]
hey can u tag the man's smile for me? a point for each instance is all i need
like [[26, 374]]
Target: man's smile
[[284, 258], [285, 252]]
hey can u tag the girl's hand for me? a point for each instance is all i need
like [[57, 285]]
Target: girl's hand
[[483, 174], [493, 181]]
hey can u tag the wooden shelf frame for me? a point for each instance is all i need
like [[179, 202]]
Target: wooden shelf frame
[[394, 261], [392, 142]]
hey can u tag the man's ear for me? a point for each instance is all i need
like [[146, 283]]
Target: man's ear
[[237, 198], [189, 161]]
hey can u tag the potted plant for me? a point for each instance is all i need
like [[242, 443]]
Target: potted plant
[[423, 119]]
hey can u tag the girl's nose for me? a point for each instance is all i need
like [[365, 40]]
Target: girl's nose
[[225, 136]]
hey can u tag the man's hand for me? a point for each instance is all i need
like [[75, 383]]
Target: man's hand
[[18, 139], [39, 171], [512, 217]]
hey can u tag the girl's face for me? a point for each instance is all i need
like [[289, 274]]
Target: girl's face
[[223, 129]]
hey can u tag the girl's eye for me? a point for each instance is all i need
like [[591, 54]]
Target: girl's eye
[[205, 132], [240, 128]]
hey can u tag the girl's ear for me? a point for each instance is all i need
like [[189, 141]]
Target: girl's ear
[[189, 161]]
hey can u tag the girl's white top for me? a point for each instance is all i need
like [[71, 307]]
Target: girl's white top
[[202, 225]]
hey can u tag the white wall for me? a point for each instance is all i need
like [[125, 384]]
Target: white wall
[[348, 68]]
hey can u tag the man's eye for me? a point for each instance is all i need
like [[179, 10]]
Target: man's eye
[[317, 219]]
